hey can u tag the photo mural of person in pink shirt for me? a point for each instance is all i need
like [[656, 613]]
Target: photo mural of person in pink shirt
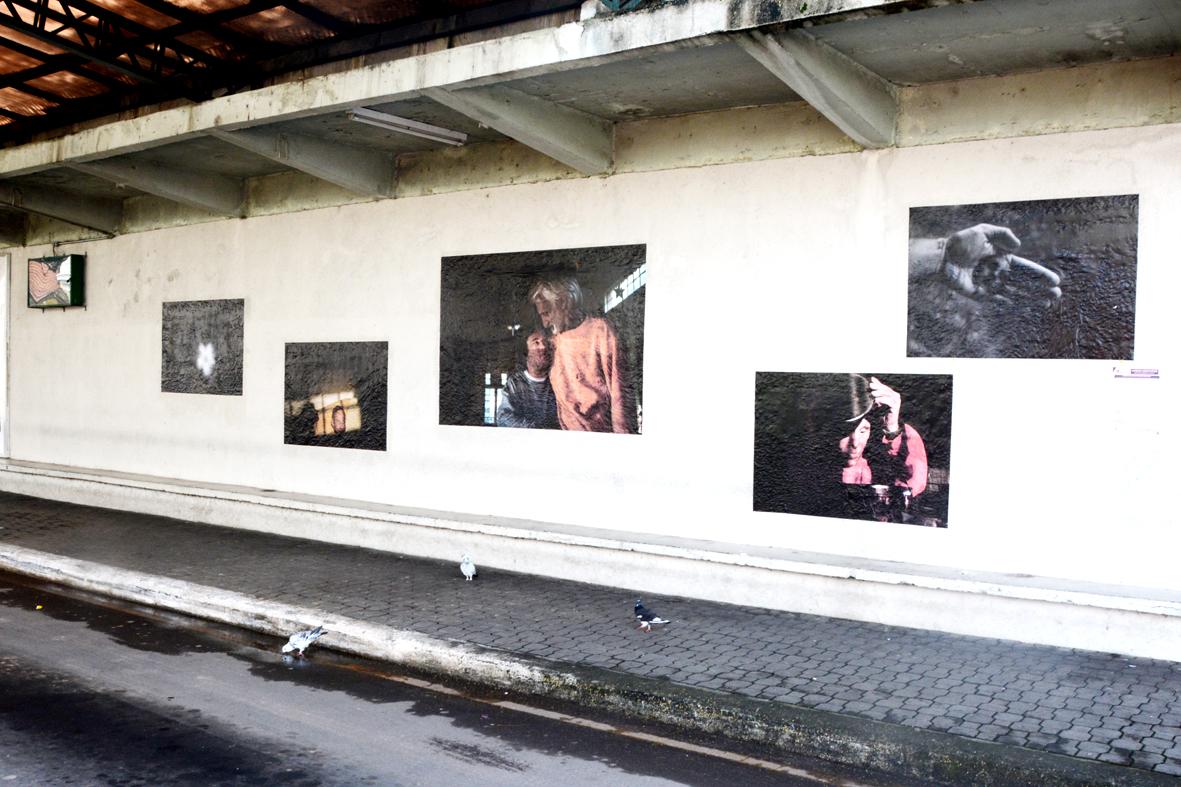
[[854, 446], [881, 449], [589, 374]]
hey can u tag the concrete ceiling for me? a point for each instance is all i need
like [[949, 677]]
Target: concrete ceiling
[[990, 38], [207, 155], [663, 83], [337, 126], [847, 64], [74, 182]]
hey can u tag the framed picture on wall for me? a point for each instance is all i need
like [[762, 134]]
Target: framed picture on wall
[[201, 347], [1049, 278], [335, 394], [57, 282], [544, 339], [858, 445]]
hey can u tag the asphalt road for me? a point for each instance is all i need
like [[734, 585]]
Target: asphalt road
[[98, 692]]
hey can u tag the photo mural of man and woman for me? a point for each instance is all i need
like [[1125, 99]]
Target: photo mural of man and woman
[[855, 446], [544, 339], [1069, 293]]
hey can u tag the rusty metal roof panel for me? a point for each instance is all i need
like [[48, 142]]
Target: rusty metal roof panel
[[282, 26], [67, 85], [14, 102]]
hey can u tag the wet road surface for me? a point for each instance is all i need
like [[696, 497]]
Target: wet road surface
[[99, 692]]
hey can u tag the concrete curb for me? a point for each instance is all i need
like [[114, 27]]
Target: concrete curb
[[1143, 622], [904, 752], [407, 648]]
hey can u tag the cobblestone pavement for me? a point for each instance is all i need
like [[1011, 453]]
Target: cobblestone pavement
[[1080, 703]]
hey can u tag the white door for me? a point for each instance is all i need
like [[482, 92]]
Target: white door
[[4, 445]]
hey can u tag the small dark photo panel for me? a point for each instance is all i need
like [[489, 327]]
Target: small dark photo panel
[[544, 339], [1037, 279], [201, 344], [860, 445], [335, 394]]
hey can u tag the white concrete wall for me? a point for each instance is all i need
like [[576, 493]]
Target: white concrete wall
[[754, 266]]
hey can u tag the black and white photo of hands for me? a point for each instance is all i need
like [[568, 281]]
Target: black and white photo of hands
[[980, 262]]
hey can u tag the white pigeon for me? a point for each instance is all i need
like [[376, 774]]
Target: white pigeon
[[467, 568], [302, 640], [648, 618]]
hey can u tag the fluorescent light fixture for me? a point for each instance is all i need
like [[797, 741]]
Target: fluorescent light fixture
[[407, 126]]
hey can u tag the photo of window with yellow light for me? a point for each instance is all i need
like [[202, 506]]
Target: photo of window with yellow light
[[336, 413], [336, 395]]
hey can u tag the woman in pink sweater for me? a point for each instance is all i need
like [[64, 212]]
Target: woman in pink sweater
[[589, 372], [883, 450]]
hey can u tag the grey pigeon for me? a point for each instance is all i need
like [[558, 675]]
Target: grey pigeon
[[648, 618], [468, 568], [302, 640]]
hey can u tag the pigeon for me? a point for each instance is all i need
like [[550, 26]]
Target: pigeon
[[468, 568], [302, 640], [648, 618]]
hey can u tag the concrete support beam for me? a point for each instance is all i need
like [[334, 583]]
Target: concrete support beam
[[855, 99], [12, 229], [359, 170], [104, 215], [578, 140], [207, 191]]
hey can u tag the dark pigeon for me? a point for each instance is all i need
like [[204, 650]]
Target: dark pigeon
[[647, 618]]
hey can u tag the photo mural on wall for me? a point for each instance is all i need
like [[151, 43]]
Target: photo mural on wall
[[1035, 279], [855, 446], [335, 394], [544, 339], [201, 347]]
